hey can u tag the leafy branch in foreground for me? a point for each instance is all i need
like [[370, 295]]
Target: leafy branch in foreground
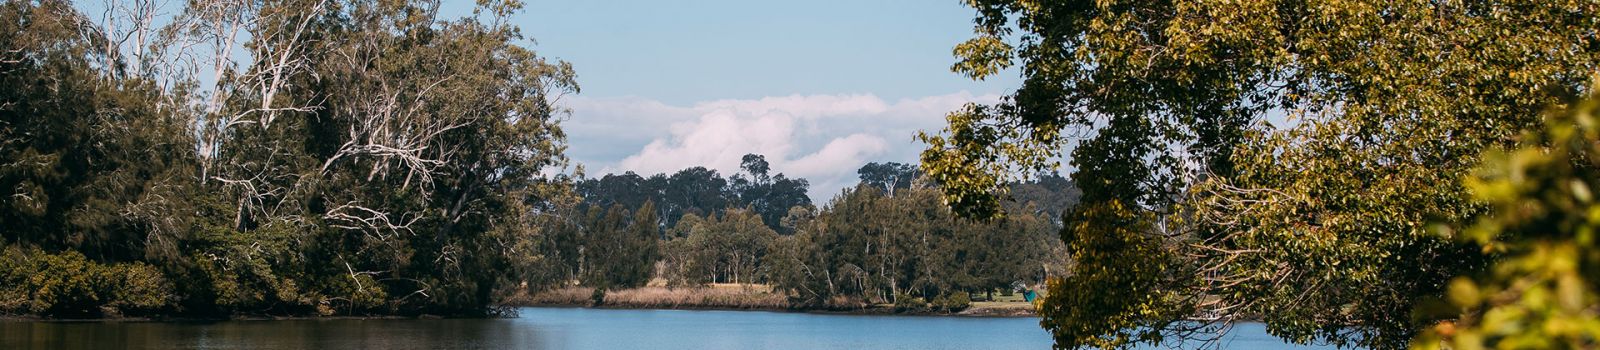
[[1281, 159], [1543, 291]]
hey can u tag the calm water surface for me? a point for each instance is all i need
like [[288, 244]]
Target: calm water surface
[[569, 328]]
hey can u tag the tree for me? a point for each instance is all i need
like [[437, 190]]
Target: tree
[[869, 247], [99, 173], [350, 157], [416, 192], [727, 249], [1291, 154], [770, 196], [685, 261], [618, 251], [1049, 194], [755, 166], [888, 177], [94, 163], [628, 190], [696, 190], [703, 192]]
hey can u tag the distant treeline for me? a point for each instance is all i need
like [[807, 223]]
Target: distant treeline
[[701, 191], [889, 236]]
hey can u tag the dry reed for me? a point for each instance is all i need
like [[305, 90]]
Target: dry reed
[[708, 297]]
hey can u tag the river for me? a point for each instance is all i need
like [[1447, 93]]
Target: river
[[569, 328]]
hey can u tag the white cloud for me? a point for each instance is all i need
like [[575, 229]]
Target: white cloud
[[717, 140], [845, 153], [823, 138]]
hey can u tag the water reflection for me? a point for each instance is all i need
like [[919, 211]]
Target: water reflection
[[292, 334], [558, 328]]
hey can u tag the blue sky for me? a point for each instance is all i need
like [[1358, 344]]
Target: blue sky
[[682, 52], [819, 87]]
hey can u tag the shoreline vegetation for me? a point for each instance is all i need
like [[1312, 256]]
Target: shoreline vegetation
[[718, 297], [747, 297]]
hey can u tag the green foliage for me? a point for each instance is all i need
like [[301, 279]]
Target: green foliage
[[869, 246], [276, 184], [69, 285], [910, 303], [1112, 252], [770, 196], [955, 302], [61, 284], [616, 253], [702, 192], [728, 249], [1543, 291], [13, 275], [1288, 155], [136, 288], [91, 163]]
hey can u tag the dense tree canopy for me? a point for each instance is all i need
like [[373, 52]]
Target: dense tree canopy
[[727, 248], [868, 245], [872, 246], [702, 192], [1275, 158], [330, 157]]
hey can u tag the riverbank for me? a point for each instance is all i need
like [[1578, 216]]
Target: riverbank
[[740, 297], [735, 297]]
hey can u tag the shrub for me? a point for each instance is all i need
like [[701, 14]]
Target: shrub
[[957, 301], [62, 285], [15, 296], [937, 304], [906, 302], [135, 288], [598, 297], [70, 285]]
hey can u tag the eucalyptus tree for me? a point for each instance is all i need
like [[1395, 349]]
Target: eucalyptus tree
[[870, 247], [297, 157], [619, 250], [96, 172], [406, 147], [888, 177], [91, 162], [695, 190], [628, 189], [702, 192], [730, 248], [770, 196]]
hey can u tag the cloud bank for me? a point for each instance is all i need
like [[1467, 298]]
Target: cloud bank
[[823, 138]]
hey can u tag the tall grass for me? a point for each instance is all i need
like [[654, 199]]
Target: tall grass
[[727, 296], [711, 297]]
